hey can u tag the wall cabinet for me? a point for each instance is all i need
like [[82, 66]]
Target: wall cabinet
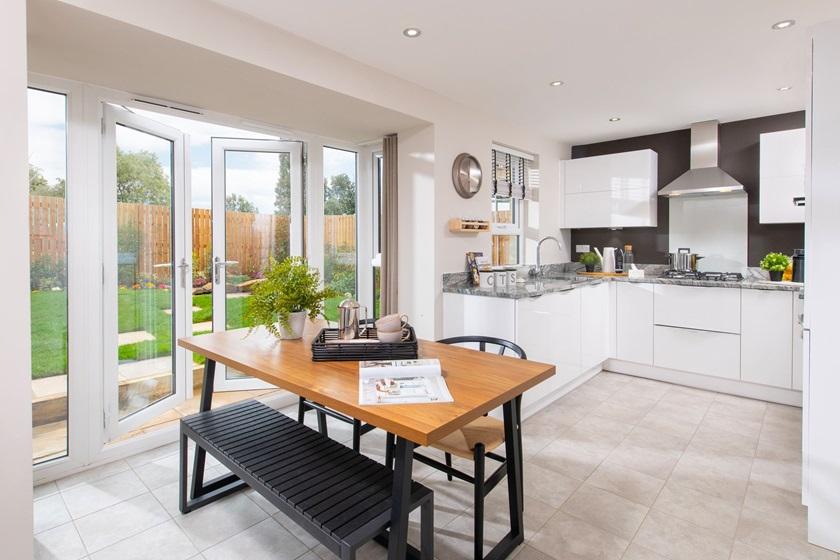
[[781, 176], [615, 190], [767, 338], [634, 322]]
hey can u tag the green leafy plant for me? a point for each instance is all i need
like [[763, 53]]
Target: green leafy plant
[[290, 286], [775, 262], [589, 259]]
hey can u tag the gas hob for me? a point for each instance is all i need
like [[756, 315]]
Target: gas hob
[[708, 276]]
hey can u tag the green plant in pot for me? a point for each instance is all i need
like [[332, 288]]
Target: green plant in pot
[[589, 260], [290, 293], [775, 264]]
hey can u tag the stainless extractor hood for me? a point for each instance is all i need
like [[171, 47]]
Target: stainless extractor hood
[[704, 177]]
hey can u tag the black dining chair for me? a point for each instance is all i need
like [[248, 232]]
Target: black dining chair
[[476, 441]]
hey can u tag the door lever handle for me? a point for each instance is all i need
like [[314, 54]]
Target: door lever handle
[[218, 264], [184, 267]]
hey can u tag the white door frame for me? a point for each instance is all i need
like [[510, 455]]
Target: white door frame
[[219, 192], [181, 288]]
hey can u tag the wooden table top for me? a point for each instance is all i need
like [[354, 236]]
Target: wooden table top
[[479, 381]]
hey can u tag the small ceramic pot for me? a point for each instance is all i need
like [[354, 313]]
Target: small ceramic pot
[[297, 322], [776, 275], [590, 267]]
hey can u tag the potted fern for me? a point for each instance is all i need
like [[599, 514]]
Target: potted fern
[[589, 260], [290, 293], [775, 264]]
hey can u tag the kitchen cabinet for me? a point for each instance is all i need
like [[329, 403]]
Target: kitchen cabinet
[[767, 338], [614, 190], [697, 351], [798, 340], [781, 176], [595, 323], [548, 329], [698, 307], [479, 315], [634, 322]]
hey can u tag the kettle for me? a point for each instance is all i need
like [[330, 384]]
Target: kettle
[[607, 259], [348, 318]]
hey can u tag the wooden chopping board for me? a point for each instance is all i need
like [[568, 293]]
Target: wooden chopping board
[[602, 274]]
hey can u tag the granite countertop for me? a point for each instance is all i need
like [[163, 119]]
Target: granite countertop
[[562, 278]]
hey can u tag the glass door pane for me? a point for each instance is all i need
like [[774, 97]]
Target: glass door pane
[[48, 273], [339, 226], [144, 208], [258, 184]]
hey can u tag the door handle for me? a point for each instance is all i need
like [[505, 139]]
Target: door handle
[[218, 263], [184, 267], [799, 201]]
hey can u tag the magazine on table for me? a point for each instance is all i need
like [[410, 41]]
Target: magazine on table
[[402, 382]]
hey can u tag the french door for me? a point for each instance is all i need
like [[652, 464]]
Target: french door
[[147, 285], [257, 215]]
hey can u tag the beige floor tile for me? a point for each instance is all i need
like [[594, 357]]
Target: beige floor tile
[[622, 410], [88, 497], [530, 553], [636, 552], [44, 490], [570, 459], [690, 400], [496, 510], [161, 542], [724, 442], [647, 389], [782, 473], [681, 540], [565, 537], [652, 439], [220, 520], [741, 551], [267, 540], [610, 430], [108, 526], [748, 427], [723, 477], [791, 414], [49, 512], [59, 543], [701, 509], [665, 423], [627, 483], [546, 485], [652, 462], [605, 510], [91, 475], [738, 407], [779, 534], [773, 500]]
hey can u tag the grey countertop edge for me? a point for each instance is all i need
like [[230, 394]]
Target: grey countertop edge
[[521, 292]]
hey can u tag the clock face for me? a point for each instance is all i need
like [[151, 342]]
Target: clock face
[[466, 175]]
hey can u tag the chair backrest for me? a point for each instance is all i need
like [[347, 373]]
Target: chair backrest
[[483, 341]]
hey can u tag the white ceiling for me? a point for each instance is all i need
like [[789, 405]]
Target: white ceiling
[[658, 64], [66, 41]]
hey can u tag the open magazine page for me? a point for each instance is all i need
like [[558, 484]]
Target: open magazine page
[[402, 382]]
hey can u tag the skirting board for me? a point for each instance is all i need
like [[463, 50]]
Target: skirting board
[[717, 384]]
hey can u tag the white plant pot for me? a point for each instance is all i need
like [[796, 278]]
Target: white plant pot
[[297, 322]]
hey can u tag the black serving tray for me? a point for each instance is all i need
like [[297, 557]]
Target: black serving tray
[[325, 350]]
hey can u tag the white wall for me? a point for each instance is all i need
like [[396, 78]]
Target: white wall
[[15, 396], [456, 129]]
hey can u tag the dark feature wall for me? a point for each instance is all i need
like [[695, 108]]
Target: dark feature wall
[[738, 156]]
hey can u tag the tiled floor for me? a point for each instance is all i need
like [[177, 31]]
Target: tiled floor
[[620, 468]]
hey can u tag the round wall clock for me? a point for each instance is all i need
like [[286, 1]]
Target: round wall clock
[[466, 175]]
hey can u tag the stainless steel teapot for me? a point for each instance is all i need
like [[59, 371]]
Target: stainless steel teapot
[[349, 311]]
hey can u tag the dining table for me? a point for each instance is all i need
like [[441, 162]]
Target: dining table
[[479, 382]]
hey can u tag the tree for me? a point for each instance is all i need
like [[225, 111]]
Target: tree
[[339, 195], [283, 189], [140, 178], [39, 185], [238, 203]]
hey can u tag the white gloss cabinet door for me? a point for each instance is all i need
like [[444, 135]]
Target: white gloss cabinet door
[[698, 307], [781, 176], [696, 351], [634, 322], [798, 340], [548, 329], [465, 315], [766, 337], [595, 321]]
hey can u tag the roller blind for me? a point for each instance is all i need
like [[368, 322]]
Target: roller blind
[[513, 176]]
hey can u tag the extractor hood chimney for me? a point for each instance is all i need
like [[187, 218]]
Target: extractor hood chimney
[[704, 177]]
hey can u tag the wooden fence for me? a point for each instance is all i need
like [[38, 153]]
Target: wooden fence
[[144, 236]]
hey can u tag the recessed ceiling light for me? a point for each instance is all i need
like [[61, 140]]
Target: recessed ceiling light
[[785, 88], [784, 24], [411, 32], [556, 83], [615, 119]]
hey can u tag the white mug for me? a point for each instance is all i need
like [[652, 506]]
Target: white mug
[[392, 336]]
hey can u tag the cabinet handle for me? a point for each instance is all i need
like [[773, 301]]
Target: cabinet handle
[[799, 201]]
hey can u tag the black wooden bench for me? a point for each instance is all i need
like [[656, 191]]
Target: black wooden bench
[[340, 497]]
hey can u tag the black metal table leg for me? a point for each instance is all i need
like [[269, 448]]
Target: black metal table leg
[[201, 492], [401, 499]]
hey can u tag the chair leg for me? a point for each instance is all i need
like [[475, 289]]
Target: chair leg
[[448, 458], [357, 435], [301, 409], [479, 501]]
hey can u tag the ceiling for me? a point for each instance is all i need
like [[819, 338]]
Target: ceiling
[[66, 41], [656, 64]]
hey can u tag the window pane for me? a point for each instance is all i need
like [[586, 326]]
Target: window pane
[[339, 224], [145, 301], [505, 247], [378, 162], [48, 272]]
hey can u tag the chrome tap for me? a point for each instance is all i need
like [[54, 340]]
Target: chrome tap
[[536, 270]]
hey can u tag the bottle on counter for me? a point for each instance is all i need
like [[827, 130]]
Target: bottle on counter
[[628, 257]]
